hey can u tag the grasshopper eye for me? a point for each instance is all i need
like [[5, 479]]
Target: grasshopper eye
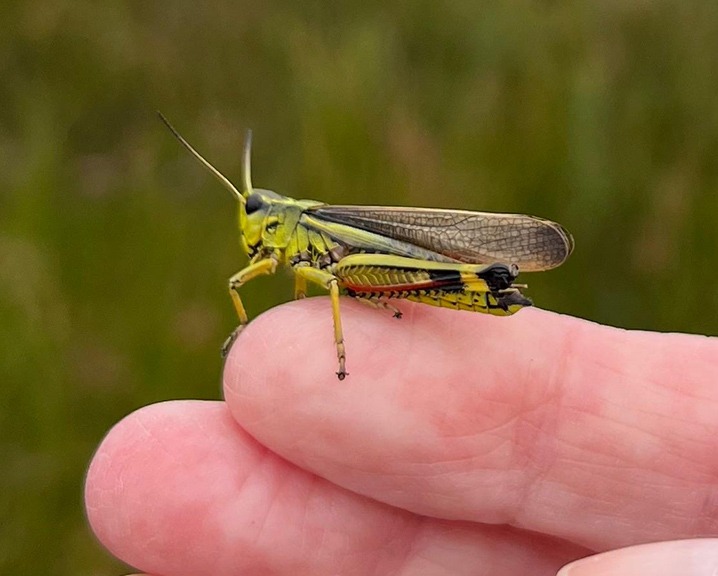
[[254, 203]]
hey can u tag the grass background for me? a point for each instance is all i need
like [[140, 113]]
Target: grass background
[[115, 246]]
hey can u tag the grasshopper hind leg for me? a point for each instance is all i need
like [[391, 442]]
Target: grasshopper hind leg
[[377, 303]]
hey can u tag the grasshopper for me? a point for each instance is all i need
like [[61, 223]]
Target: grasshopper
[[449, 258]]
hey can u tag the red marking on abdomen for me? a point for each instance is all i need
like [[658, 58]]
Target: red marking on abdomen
[[405, 287]]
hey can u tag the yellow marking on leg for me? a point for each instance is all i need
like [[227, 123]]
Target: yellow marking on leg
[[300, 287], [328, 281], [338, 333], [259, 268]]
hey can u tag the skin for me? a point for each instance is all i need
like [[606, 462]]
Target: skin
[[459, 444]]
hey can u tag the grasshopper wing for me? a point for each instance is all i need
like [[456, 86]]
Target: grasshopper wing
[[532, 243]]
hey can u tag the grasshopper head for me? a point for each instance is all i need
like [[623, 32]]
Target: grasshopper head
[[255, 218], [255, 209], [266, 219]]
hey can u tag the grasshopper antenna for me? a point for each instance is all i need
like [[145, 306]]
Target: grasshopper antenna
[[247, 185], [247, 165]]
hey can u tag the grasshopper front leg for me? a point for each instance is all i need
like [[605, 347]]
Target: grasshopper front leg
[[328, 281], [259, 268], [300, 287]]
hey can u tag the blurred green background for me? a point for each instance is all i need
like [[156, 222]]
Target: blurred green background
[[115, 246]]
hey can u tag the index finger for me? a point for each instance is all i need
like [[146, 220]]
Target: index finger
[[601, 436]]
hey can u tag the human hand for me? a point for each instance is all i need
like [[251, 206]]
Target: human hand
[[458, 444]]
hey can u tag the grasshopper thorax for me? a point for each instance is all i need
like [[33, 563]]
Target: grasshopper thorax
[[268, 221]]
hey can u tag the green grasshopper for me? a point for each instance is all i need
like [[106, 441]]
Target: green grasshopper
[[449, 258]]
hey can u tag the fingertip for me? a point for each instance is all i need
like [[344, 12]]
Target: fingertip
[[698, 557], [135, 467], [431, 374], [106, 475]]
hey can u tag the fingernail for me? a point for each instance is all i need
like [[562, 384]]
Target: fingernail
[[697, 557]]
